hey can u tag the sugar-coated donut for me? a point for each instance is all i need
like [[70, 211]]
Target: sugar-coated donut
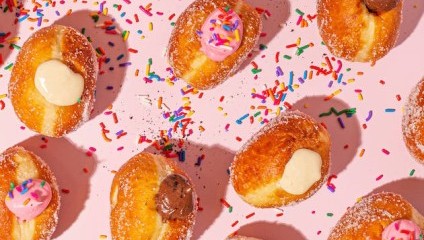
[[359, 30], [211, 39], [413, 122], [285, 162], [384, 216], [29, 197], [44, 102], [151, 198]]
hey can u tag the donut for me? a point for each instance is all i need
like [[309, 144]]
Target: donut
[[211, 39], [383, 215], [45, 103], [151, 198], [413, 122], [285, 162], [359, 30], [29, 196]]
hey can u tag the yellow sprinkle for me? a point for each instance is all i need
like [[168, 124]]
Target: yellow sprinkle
[[282, 85], [186, 104], [150, 26], [147, 70], [295, 86], [127, 34], [102, 237], [278, 111], [190, 113], [351, 80], [362, 152], [186, 99], [3, 95], [298, 41], [220, 109], [359, 199], [253, 90], [237, 35], [27, 201], [105, 11], [160, 103], [360, 97], [14, 39]]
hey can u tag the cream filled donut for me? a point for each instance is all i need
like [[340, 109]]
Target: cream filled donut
[[53, 81], [359, 30], [385, 216], [211, 39], [413, 122], [285, 162], [29, 197]]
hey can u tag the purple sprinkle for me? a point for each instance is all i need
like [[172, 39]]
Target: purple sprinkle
[[341, 122], [111, 44], [119, 132], [109, 87], [279, 71], [330, 84], [125, 64], [301, 80], [331, 189], [11, 194], [369, 116]]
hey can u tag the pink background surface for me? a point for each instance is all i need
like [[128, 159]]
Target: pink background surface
[[85, 210]]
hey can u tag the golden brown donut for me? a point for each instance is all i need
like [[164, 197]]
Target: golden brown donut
[[413, 122], [71, 48], [142, 208], [16, 166], [258, 168], [359, 30], [368, 218], [185, 56]]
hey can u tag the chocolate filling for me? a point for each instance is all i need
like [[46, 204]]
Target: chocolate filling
[[174, 199], [380, 6]]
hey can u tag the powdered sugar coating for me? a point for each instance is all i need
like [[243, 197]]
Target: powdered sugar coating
[[11, 170], [352, 32], [269, 150], [184, 53], [413, 122]]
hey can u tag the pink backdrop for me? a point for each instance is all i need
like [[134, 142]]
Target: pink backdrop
[[85, 211]]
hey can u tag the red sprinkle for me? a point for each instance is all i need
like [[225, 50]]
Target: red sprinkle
[[250, 215], [238, 139], [66, 191], [379, 177], [234, 223], [385, 151], [225, 203]]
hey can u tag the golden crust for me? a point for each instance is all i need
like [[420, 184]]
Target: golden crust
[[132, 198], [346, 28], [413, 122], [259, 166], [31, 107], [189, 63], [18, 161], [368, 218]]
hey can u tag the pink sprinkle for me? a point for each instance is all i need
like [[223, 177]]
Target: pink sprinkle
[[92, 149], [34, 195], [108, 112], [120, 148], [379, 177], [319, 232], [385, 151]]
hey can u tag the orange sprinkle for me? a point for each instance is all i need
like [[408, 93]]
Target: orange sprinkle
[[115, 118], [26, 201], [105, 137]]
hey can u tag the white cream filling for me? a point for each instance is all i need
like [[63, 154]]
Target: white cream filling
[[301, 171], [58, 84]]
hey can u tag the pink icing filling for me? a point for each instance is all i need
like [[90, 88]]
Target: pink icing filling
[[401, 230], [221, 34], [29, 199]]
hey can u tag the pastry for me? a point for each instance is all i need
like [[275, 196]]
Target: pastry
[[151, 198], [29, 197], [53, 81], [284, 163], [211, 39], [359, 30], [413, 122], [385, 216]]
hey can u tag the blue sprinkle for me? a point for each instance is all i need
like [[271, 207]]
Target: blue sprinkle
[[390, 110]]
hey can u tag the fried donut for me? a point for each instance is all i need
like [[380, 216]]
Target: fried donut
[[285, 162], [151, 198], [45, 103], [29, 197], [359, 30], [383, 216], [413, 122], [211, 39]]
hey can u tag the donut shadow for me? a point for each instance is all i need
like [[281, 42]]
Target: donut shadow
[[412, 189], [210, 179], [270, 231], [67, 162], [344, 141], [111, 75], [8, 30], [280, 12], [412, 11]]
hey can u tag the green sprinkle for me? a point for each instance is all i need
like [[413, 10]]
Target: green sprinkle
[[115, 5], [150, 61], [5, 9], [8, 66], [300, 12], [257, 114], [262, 46], [322, 43], [347, 111], [83, 31], [89, 39], [173, 24], [329, 214], [299, 52], [95, 18], [168, 147], [227, 8], [16, 46], [256, 70], [348, 69], [79, 100], [287, 57], [412, 173], [43, 183], [12, 186], [230, 209]]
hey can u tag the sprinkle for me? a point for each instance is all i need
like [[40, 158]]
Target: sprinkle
[[287, 57], [66, 191], [43, 183], [299, 12], [369, 116], [279, 214], [120, 148], [379, 177], [385, 151], [398, 97], [390, 110], [150, 26], [335, 93], [341, 122], [329, 214], [102, 237], [250, 215], [362, 153], [234, 223], [26, 201], [412, 172], [239, 121], [238, 139]]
